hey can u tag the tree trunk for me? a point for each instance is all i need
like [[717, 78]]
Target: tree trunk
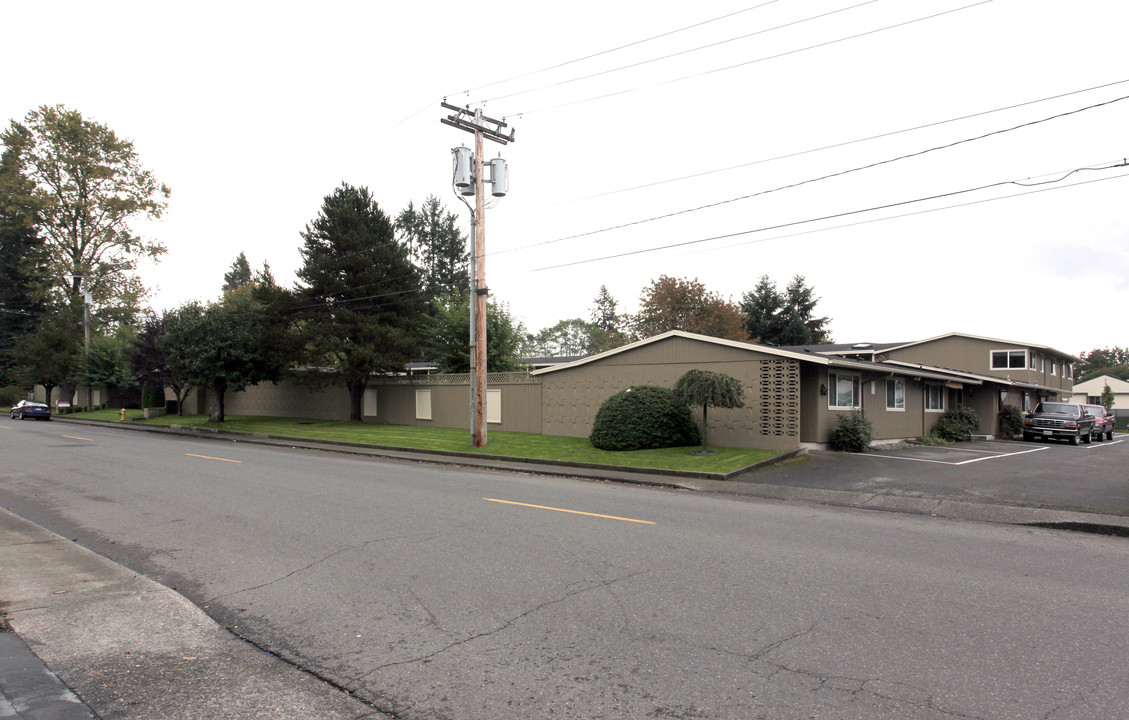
[[215, 402], [705, 428], [47, 389], [356, 397]]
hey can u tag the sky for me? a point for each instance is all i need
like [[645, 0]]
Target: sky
[[650, 139]]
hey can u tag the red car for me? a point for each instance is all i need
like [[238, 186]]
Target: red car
[[1103, 422]]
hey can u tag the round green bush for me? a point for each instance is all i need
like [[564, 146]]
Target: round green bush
[[643, 417], [853, 433]]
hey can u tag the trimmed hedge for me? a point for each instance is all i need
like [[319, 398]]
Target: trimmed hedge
[[643, 417]]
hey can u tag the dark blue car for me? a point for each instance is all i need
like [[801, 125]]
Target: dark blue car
[[31, 409]]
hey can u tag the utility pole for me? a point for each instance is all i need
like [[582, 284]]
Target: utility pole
[[470, 182]]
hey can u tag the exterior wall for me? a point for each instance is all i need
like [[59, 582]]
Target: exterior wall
[[820, 419], [769, 420], [286, 399], [450, 401], [974, 355]]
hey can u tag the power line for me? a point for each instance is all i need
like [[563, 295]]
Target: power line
[[817, 179], [583, 58], [825, 217], [746, 63], [836, 145], [673, 55], [620, 47], [918, 212]]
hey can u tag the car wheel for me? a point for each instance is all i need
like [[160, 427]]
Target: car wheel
[[1075, 439], [1088, 438], [1027, 437], [1099, 436], [1109, 435]]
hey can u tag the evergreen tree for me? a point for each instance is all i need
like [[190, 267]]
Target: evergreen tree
[[239, 275], [361, 308], [21, 264], [762, 308], [604, 313], [773, 318], [437, 247]]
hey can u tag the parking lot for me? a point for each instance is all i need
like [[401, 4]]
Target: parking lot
[[1089, 478]]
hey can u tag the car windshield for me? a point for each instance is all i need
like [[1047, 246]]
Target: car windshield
[[1061, 408], [1096, 410]]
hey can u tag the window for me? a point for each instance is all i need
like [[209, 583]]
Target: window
[[1034, 360], [935, 398], [1009, 359], [493, 406], [1054, 367], [895, 394], [423, 404], [844, 393], [1068, 370], [1093, 400]]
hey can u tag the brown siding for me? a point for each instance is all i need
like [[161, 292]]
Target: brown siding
[[770, 418], [450, 401], [975, 355], [289, 400]]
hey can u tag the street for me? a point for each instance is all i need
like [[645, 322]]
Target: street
[[444, 592]]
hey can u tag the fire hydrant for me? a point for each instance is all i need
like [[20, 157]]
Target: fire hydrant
[[123, 414]]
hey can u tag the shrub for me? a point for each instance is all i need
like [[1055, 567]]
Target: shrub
[[640, 418], [957, 424], [152, 396], [1011, 421], [853, 433]]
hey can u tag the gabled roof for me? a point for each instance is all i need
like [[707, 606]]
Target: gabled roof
[[1098, 384], [1044, 348], [752, 347], [841, 348]]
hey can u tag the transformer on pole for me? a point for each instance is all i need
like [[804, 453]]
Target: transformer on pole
[[468, 179]]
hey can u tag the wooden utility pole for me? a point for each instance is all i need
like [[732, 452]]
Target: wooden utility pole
[[478, 124]]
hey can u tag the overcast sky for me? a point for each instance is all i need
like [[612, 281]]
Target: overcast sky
[[628, 111]]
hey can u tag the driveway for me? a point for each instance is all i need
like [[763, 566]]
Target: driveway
[[1089, 478]]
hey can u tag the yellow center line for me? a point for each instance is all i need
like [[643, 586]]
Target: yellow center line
[[574, 512], [75, 437], [208, 457]]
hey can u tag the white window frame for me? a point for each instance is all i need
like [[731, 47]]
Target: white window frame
[[1054, 367], [833, 379], [1034, 361], [1068, 371], [494, 406], [1008, 359], [941, 392], [423, 404], [896, 384]]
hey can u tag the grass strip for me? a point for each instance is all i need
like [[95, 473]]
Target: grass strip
[[507, 444]]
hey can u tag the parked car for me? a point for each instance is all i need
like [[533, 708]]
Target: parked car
[[30, 409], [1058, 420], [1103, 422]]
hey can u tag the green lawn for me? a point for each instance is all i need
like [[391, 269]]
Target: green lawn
[[508, 444]]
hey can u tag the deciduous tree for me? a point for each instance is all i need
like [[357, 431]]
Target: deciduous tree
[[676, 304], [708, 389], [567, 337], [147, 360], [449, 343], [87, 185]]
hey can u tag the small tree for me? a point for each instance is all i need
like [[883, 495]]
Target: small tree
[[708, 389], [1107, 398]]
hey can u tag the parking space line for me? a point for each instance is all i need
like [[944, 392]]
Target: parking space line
[[946, 462], [1095, 446], [1021, 452]]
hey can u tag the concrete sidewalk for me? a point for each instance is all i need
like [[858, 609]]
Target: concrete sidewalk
[[118, 645]]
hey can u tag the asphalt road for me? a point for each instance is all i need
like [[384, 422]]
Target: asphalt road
[[440, 592]]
